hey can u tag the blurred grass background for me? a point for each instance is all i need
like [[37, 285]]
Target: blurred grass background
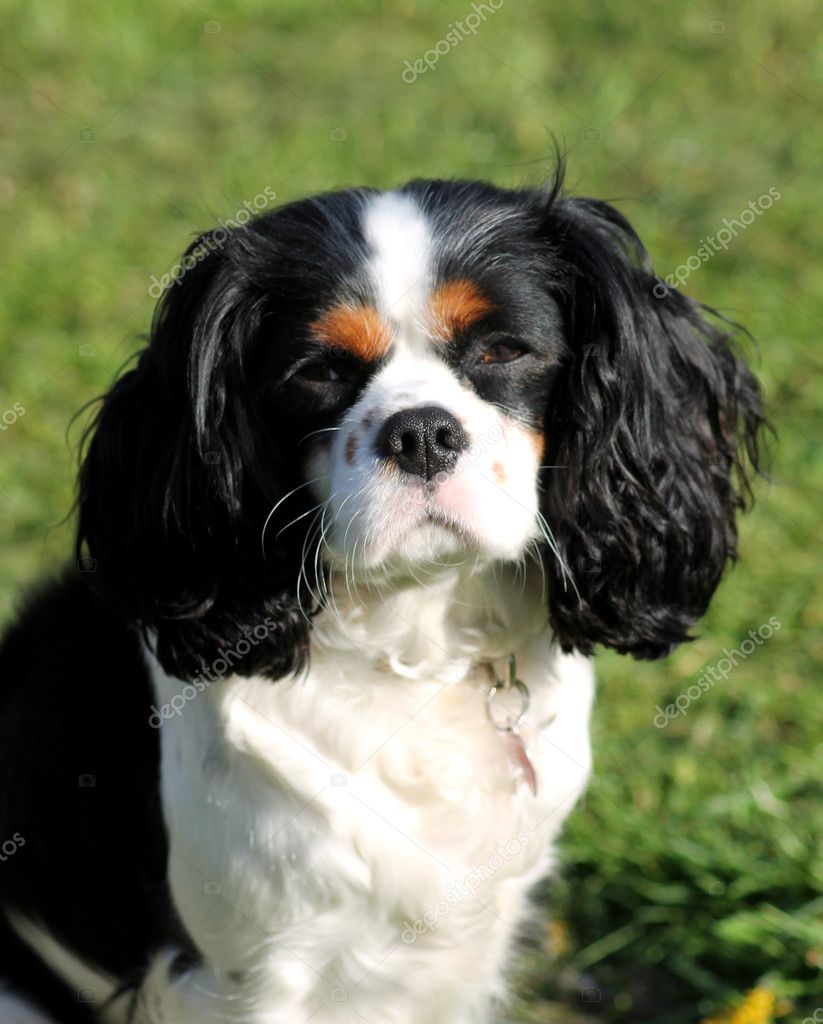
[[691, 873]]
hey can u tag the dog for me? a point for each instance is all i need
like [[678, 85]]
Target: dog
[[295, 736]]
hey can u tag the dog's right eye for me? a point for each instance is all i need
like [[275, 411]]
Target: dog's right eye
[[318, 372], [330, 374]]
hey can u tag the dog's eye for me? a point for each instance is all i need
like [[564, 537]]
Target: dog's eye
[[502, 352], [318, 372]]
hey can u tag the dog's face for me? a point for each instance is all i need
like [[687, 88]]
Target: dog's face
[[449, 373], [420, 387]]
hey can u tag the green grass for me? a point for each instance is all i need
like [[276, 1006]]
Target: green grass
[[689, 871]]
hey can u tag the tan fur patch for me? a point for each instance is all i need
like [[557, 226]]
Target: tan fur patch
[[499, 473], [455, 306], [356, 329]]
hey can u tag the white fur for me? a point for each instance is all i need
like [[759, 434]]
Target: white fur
[[335, 810], [398, 235]]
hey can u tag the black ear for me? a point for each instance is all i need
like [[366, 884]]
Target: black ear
[[174, 488], [655, 421]]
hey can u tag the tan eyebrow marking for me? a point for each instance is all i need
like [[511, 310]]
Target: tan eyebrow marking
[[455, 306], [357, 329]]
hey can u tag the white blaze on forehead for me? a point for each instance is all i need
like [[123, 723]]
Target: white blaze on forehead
[[399, 237]]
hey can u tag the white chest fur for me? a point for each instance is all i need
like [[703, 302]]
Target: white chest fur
[[356, 843]]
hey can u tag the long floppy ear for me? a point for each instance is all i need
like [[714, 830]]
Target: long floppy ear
[[170, 515], [656, 422]]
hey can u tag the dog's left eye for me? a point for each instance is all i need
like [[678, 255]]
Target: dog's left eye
[[502, 352]]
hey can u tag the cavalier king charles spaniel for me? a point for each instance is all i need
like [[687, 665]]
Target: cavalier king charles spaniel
[[295, 736]]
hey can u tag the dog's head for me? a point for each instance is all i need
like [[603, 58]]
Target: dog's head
[[371, 382]]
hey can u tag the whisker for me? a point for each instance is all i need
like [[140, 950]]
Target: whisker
[[329, 577], [548, 536], [302, 574], [277, 506], [552, 543], [534, 550], [354, 562], [303, 515], [322, 430], [319, 574], [346, 550]]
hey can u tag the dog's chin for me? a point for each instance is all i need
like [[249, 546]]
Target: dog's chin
[[433, 539]]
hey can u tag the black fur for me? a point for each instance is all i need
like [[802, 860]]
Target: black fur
[[79, 774], [188, 454], [656, 421]]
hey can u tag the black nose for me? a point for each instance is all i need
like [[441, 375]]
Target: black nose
[[424, 441]]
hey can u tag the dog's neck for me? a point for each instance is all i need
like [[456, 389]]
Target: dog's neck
[[440, 625]]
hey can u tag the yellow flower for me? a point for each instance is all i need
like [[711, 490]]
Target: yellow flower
[[756, 1008], [557, 938]]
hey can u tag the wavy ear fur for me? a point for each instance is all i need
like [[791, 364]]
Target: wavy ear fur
[[169, 519], [656, 422]]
